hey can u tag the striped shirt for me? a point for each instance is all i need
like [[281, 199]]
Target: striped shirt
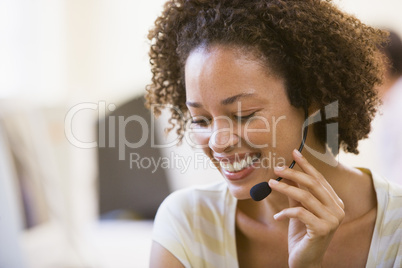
[[197, 225]]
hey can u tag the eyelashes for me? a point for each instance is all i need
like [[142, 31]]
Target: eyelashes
[[202, 121], [244, 117]]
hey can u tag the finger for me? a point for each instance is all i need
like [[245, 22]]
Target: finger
[[312, 185], [317, 226], [306, 182], [311, 170], [299, 213], [305, 198]]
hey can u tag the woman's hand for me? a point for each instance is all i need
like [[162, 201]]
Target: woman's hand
[[314, 214]]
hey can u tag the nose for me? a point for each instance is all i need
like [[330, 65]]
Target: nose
[[223, 137]]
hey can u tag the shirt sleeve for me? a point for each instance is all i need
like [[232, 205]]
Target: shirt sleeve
[[173, 225], [386, 244]]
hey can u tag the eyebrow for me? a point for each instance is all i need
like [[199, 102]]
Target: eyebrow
[[226, 101]]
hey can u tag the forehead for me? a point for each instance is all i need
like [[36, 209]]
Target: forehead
[[230, 53], [219, 71]]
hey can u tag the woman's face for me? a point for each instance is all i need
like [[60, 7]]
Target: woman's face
[[241, 115]]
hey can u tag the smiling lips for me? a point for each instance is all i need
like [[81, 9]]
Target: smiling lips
[[237, 163]]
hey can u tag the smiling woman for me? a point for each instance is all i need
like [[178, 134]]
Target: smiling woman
[[217, 80], [245, 73]]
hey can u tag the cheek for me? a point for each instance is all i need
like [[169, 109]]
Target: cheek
[[262, 132], [258, 139], [280, 134], [198, 138]]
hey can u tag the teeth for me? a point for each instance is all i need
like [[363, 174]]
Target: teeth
[[223, 165], [237, 166], [231, 168], [249, 160], [243, 163]]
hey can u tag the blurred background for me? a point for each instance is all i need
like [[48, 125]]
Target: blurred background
[[71, 72]]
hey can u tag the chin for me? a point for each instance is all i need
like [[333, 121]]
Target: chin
[[240, 192]]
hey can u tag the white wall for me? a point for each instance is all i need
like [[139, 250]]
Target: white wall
[[380, 13], [32, 49], [56, 51]]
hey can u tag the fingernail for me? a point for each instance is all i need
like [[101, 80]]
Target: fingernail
[[298, 153], [277, 215], [279, 168], [271, 181]]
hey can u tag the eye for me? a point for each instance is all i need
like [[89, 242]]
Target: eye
[[244, 117], [200, 121]]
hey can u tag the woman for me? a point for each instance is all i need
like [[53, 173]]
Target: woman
[[244, 73]]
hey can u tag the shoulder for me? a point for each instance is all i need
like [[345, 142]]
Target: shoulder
[[197, 225], [387, 237], [387, 191], [188, 208], [212, 195], [389, 201]]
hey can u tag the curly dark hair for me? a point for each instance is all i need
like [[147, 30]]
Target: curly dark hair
[[324, 55]]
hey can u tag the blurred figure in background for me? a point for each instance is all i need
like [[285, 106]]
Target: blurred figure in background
[[387, 130]]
